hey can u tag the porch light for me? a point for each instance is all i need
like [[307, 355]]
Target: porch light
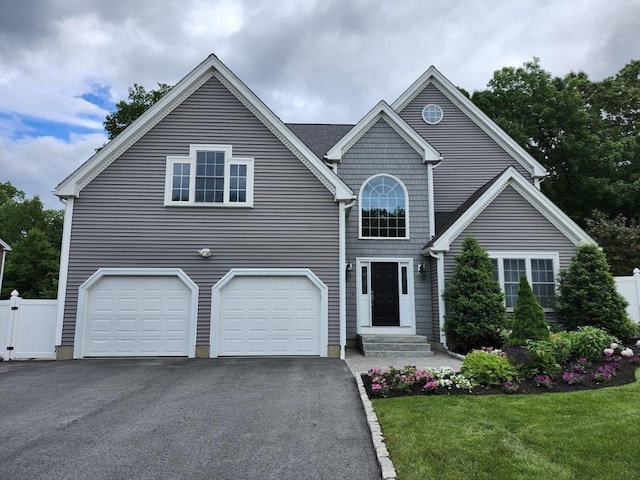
[[205, 252], [422, 270]]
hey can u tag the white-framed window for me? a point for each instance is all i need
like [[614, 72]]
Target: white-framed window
[[209, 176], [432, 114], [540, 269], [384, 208]]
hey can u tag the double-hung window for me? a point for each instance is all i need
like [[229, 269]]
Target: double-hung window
[[540, 269], [209, 176]]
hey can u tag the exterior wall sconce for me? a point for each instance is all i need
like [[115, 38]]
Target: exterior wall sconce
[[349, 269], [422, 270], [205, 252]]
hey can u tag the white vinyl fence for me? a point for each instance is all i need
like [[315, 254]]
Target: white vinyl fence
[[27, 328], [629, 288]]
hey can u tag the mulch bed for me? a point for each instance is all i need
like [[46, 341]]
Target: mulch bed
[[624, 375]]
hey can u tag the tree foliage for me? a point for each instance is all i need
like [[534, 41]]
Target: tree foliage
[[620, 239], [529, 322], [588, 295], [587, 135], [474, 302], [128, 111], [35, 236]]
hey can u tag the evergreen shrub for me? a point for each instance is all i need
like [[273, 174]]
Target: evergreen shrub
[[529, 322], [475, 309], [588, 295]]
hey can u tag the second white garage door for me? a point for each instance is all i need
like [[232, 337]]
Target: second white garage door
[[269, 315]]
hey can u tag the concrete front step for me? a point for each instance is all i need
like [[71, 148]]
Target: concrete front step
[[394, 346], [391, 353], [392, 339]]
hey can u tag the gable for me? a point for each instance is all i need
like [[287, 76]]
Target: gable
[[210, 115], [433, 76], [512, 213], [382, 111], [211, 67], [470, 156], [510, 222]]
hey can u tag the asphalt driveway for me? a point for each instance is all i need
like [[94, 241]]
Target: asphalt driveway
[[242, 418]]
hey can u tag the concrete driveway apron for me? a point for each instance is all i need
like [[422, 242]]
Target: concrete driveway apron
[[233, 418]]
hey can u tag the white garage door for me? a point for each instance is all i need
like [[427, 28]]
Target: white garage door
[[269, 315], [137, 316]]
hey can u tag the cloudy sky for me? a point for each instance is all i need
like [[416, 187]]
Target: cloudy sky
[[65, 63]]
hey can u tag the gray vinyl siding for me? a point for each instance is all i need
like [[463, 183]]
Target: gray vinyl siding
[[511, 223], [119, 219], [471, 157], [382, 151]]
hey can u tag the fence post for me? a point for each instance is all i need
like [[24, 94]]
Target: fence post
[[636, 278], [12, 326]]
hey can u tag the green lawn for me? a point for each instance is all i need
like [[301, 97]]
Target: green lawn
[[592, 434]]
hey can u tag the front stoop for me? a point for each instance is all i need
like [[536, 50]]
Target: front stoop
[[394, 346]]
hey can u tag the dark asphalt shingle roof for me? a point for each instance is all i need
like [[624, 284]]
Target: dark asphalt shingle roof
[[452, 217], [319, 137]]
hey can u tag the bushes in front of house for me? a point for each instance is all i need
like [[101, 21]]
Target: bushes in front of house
[[588, 295], [488, 368], [529, 322], [475, 310]]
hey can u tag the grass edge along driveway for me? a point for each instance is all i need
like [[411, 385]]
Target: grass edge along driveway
[[583, 435]]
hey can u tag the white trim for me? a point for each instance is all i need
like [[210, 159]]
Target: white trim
[[384, 111], [441, 305], [342, 265], [191, 160], [211, 66], [63, 272], [511, 177], [527, 256], [431, 200], [441, 114], [406, 301], [83, 291], [269, 272], [406, 209]]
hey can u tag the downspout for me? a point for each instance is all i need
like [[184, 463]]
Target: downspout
[[440, 275], [342, 260], [64, 267], [431, 196]]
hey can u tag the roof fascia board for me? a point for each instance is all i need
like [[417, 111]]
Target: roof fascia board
[[4, 246], [432, 75], [211, 66], [383, 110], [530, 193]]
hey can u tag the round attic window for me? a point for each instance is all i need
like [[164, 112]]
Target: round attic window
[[432, 114]]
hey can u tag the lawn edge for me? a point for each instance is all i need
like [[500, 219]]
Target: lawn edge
[[382, 454]]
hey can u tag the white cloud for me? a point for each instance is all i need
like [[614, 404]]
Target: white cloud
[[310, 61], [37, 165]]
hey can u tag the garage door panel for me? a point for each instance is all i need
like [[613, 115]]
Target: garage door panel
[[269, 315], [138, 316]]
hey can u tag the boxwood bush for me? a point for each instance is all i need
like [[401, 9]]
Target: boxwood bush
[[488, 369]]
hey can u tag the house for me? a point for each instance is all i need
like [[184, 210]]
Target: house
[[211, 228]]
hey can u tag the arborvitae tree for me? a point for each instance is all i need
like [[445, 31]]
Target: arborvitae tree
[[529, 322], [588, 295], [474, 302]]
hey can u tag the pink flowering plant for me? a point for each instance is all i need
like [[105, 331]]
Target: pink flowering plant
[[410, 378], [544, 381]]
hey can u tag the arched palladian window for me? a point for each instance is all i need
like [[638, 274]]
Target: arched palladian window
[[383, 208]]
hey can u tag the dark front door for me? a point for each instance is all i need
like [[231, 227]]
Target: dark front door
[[385, 309]]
